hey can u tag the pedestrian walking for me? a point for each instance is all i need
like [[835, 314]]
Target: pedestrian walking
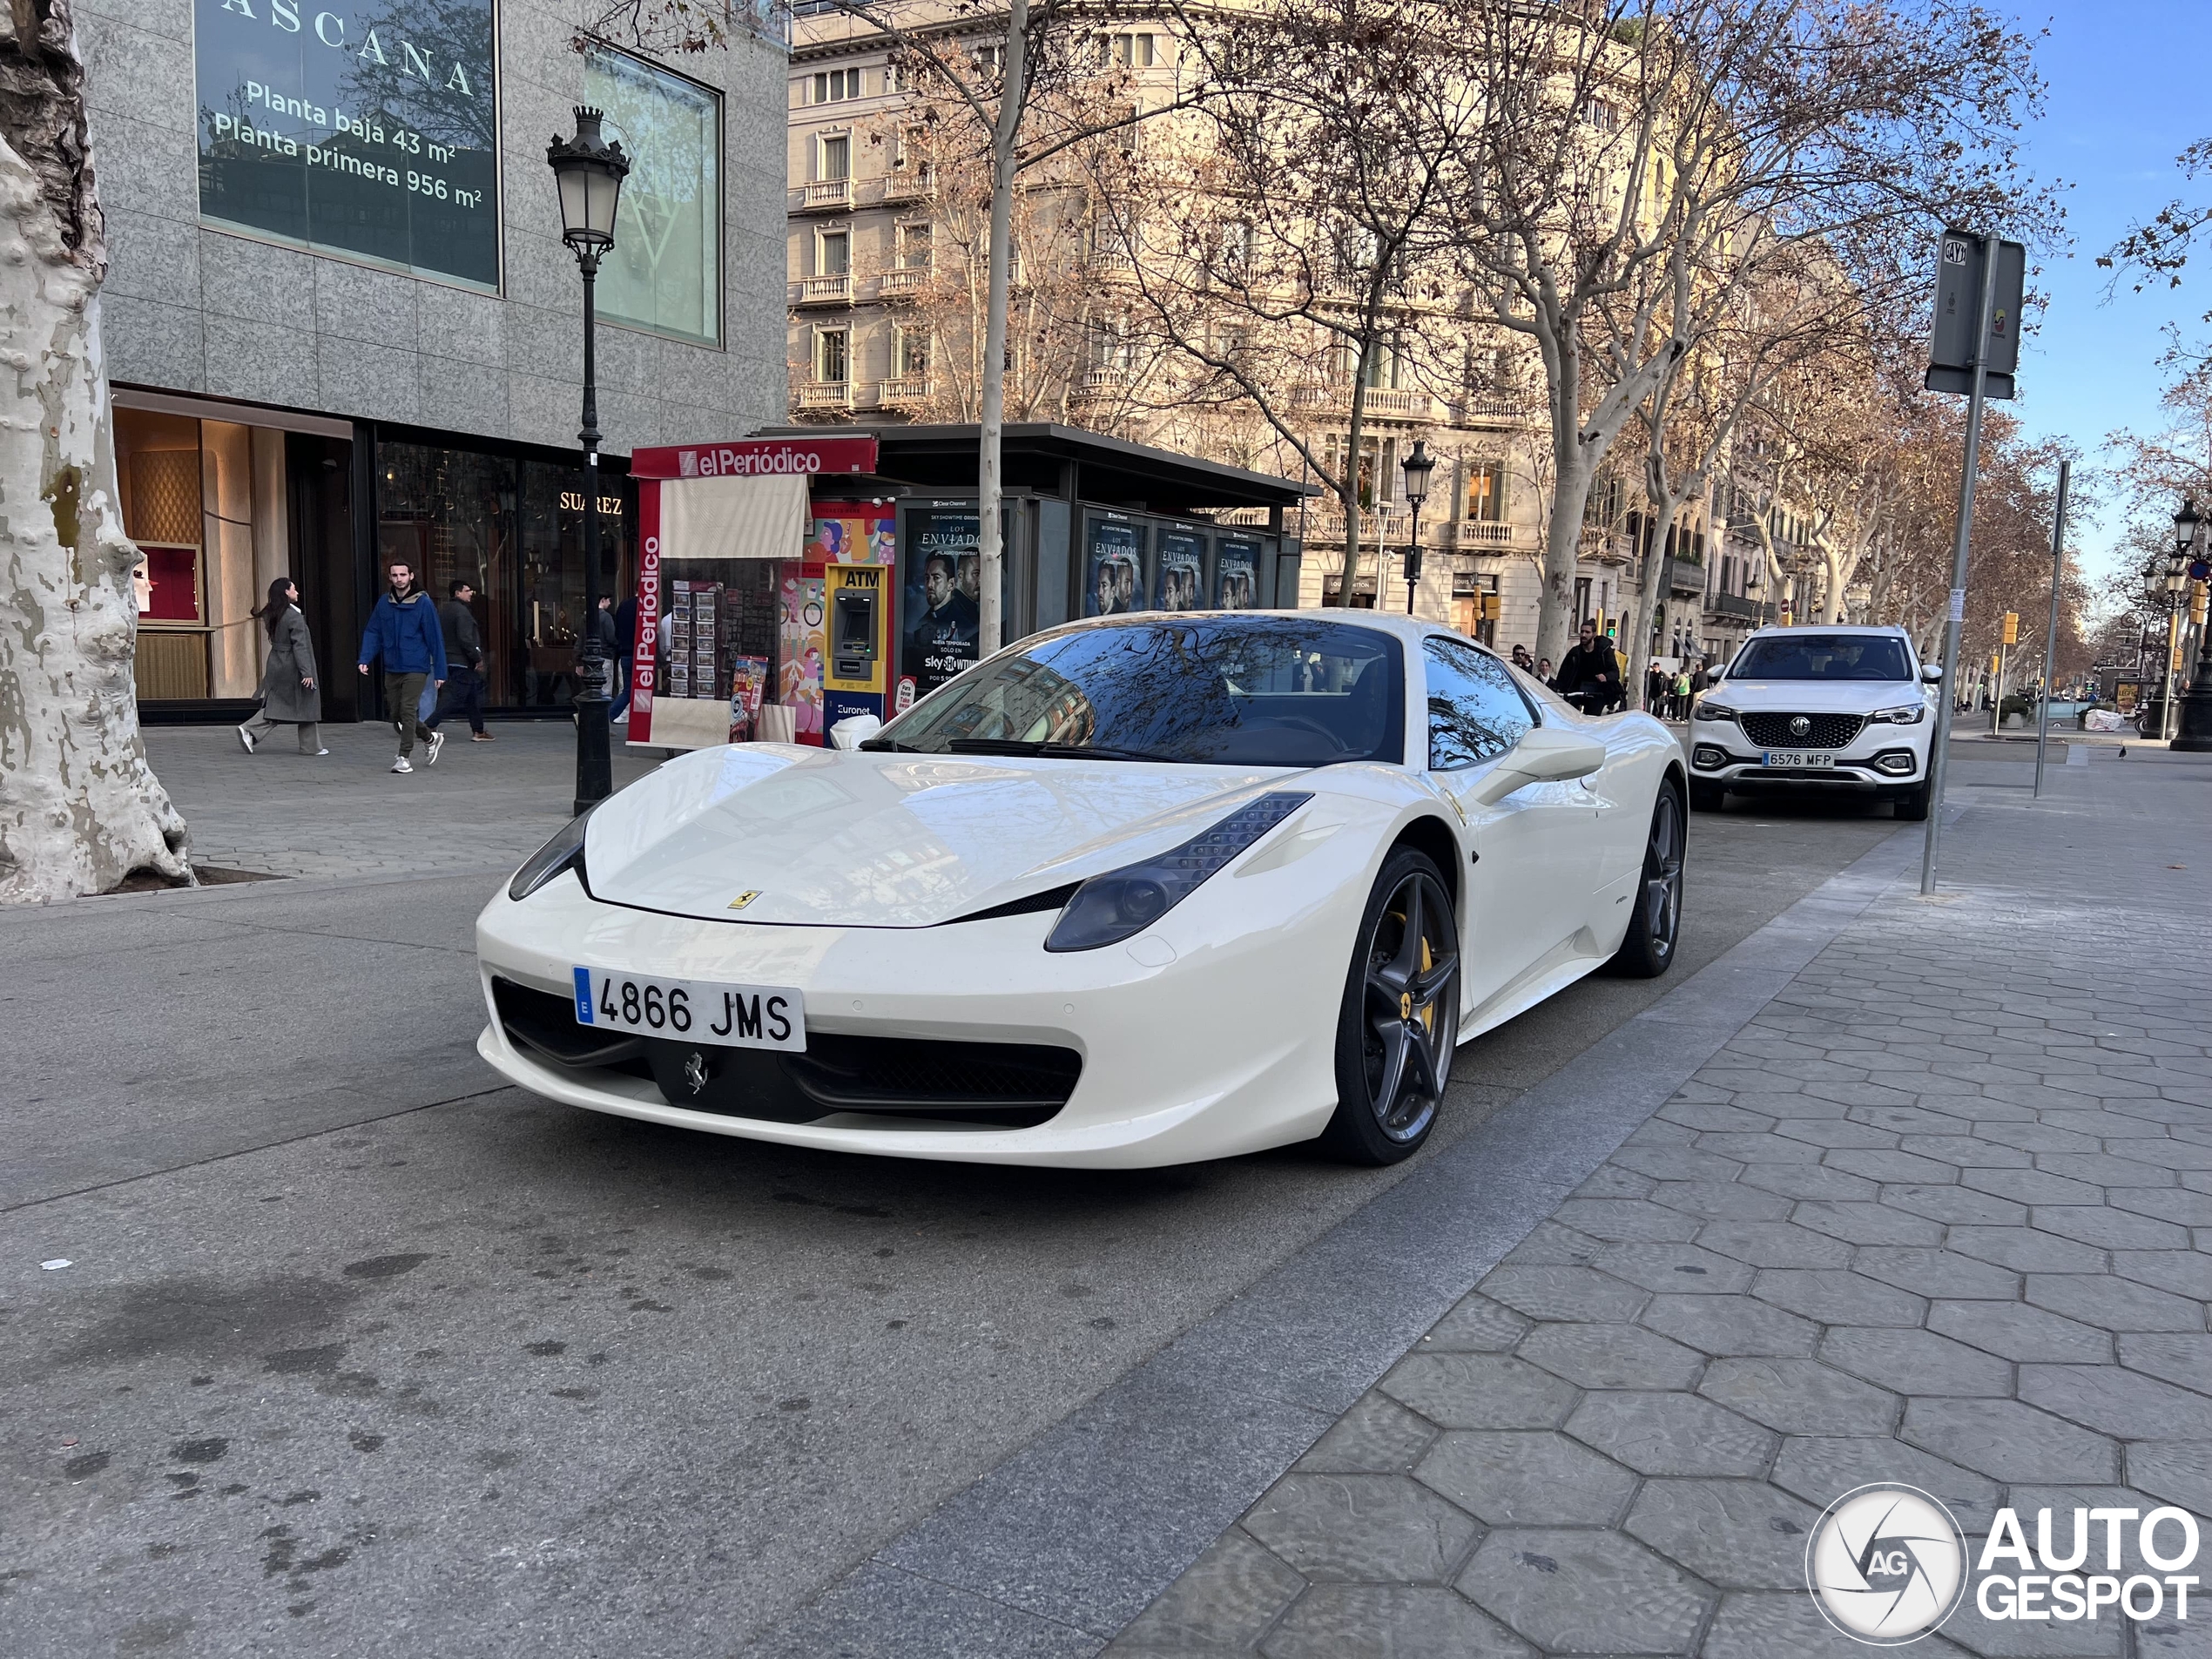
[[1681, 709], [1590, 672], [1654, 690], [1522, 660], [289, 694], [404, 635], [1544, 670], [625, 645], [463, 693]]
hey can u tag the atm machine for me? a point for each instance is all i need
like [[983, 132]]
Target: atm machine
[[856, 672]]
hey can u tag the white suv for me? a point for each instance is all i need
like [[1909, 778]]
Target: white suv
[[1849, 710]]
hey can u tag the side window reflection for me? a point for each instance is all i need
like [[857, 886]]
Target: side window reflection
[[1475, 713]]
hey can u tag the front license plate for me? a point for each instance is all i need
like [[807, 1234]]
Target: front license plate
[[730, 1016], [1798, 759]]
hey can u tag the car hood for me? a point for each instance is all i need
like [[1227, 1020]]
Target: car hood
[[1816, 697], [866, 839]]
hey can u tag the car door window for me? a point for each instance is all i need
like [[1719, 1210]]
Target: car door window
[[1475, 713]]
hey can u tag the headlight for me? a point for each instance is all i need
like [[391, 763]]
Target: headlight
[[1713, 711], [1122, 903], [1910, 716], [564, 850]]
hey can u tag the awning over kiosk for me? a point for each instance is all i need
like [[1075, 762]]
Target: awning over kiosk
[[734, 518]]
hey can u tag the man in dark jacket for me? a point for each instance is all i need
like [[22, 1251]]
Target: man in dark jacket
[[464, 687], [625, 645], [404, 635], [1591, 668]]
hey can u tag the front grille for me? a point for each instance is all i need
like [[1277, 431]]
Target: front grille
[[873, 1074], [547, 1023], [1827, 730]]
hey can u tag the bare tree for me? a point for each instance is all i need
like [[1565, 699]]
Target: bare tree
[[79, 808], [1285, 253], [1644, 162]]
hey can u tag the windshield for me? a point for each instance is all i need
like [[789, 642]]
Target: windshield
[[1825, 657], [1221, 690]]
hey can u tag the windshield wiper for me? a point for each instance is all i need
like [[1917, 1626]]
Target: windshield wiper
[[1050, 750], [890, 745]]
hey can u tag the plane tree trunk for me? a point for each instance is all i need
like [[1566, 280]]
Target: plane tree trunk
[[80, 809]]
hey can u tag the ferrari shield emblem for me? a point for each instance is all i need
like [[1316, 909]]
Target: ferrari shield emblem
[[744, 899]]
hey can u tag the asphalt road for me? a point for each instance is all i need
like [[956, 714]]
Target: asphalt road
[[360, 1354]]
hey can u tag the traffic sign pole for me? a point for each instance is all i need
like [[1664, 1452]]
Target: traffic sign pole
[[2051, 628], [1938, 762]]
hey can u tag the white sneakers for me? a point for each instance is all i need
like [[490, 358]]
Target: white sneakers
[[437, 742], [402, 765], [321, 751], [246, 738]]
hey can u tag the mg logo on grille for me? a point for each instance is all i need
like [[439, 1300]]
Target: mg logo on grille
[[1799, 725]]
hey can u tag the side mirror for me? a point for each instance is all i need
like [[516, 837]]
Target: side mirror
[[1714, 676], [1931, 674], [854, 730], [1546, 754]]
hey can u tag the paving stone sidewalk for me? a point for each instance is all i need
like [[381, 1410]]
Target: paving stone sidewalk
[[1942, 1213]]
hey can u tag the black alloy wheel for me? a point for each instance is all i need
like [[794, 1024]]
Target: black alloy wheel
[[1649, 949], [1400, 1019]]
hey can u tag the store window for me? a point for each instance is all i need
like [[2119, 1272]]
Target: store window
[[204, 500], [513, 529], [665, 272]]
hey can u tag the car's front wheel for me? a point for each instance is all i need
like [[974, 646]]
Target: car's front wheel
[[1400, 1017], [1649, 949], [1912, 805], [1707, 797]]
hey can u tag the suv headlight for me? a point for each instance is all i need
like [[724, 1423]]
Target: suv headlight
[[1911, 715], [1713, 711], [564, 850], [1122, 903]]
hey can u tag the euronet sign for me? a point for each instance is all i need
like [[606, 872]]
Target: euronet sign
[[1887, 1564]]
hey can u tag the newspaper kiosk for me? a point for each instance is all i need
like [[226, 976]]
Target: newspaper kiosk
[[796, 578]]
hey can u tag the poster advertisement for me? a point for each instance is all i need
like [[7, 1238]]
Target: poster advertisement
[[939, 584], [1235, 582], [368, 128], [1113, 566], [748, 684], [800, 682], [852, 535], [1182, 583]]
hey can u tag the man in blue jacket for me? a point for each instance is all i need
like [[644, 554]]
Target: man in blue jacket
[[403, 633]]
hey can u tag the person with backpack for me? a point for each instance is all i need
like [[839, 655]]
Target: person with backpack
[[403, 633]]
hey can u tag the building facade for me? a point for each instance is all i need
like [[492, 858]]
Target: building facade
[[341, 326]]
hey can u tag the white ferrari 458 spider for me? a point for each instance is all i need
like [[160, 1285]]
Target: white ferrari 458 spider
[[1138, 890]]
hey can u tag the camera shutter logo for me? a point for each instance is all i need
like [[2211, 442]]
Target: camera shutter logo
[[1887, 1564]]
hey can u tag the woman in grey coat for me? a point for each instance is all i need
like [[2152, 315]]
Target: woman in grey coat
[[289, 695]]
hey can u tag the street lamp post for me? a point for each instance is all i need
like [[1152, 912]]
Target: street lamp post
[[1417, 468], [589, 171], [2194, 734], [2175, 572]]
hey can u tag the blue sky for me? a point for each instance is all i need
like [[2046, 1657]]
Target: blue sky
[[2130, 87]]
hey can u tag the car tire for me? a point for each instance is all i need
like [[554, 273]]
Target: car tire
[[1400, 1020], [1912, 805], [1655, 926], [1707, 797]]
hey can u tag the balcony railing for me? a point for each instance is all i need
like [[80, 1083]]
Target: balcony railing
[[1103, 382], [909, 184], [826, 193], [1113, 265], [905, 392], [1383, 402], [1482, 532], [825, 290], [904, 283], [814, 396]]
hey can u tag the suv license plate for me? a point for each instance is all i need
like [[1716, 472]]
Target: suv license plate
[[729, 1017], [1798, 759]]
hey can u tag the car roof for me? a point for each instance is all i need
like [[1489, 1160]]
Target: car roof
[[1887, 629]]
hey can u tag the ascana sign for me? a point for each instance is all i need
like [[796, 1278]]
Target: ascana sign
[[362, 127]]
